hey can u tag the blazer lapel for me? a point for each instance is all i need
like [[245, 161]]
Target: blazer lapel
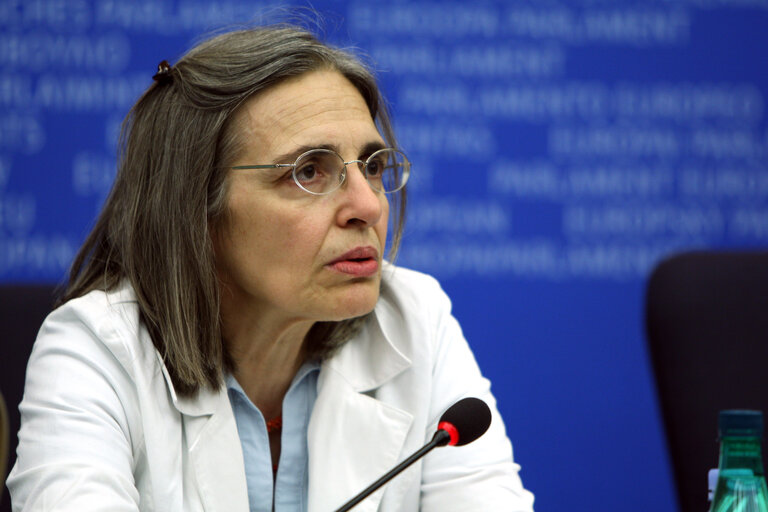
[[216, 458], [354, 438], [213, 445]]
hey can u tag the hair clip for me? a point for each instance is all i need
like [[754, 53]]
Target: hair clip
[[163, 74]]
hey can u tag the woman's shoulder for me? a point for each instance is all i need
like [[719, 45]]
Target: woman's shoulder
[[93, 349], [98, 306], [96, 321], [91, 390]]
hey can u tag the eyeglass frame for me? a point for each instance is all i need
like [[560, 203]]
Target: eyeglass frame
[[406, 174]]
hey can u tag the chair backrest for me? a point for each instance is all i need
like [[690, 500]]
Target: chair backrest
[[707, 330], [22, 309], [4, 441]]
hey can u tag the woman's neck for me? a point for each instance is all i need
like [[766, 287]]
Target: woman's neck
[[266, 356]]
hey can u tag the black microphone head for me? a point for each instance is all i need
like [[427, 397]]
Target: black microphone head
[[471, 417]]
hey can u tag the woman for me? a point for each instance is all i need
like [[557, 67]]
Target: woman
[[231, 337]]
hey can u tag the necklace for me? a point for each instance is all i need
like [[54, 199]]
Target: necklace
[[275, 424]]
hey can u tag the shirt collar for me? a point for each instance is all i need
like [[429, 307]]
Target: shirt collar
[[304, 371]]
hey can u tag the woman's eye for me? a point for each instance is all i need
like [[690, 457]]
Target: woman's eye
[[306, 173], [375, 168]]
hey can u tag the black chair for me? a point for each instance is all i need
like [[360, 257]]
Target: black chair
[[5, 435], [707, 330], [22, 309]]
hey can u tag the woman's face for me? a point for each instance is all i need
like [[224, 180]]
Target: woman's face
[[282, 252]]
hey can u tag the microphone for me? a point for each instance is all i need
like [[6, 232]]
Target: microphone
[[465, 421], [462, 423]]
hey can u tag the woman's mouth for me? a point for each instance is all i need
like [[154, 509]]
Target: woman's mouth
[[359, 262]]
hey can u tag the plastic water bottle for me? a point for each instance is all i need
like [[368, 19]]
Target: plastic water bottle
[[741, 480]]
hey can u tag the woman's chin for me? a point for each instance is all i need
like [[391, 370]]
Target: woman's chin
[[355, 304]]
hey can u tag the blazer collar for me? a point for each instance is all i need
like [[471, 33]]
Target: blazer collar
[[375, 355], [354, 437], [204, 403]]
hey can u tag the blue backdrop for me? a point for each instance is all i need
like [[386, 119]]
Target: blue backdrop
[[560, 149]]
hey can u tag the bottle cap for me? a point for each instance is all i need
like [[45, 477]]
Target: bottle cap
[[740, 423]]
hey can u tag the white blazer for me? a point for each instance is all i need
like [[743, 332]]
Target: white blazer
[[103, 429]]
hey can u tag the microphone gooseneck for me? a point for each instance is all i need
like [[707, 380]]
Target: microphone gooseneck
[[462, 423]]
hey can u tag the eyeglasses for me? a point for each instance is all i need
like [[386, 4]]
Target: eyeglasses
[[321, 171]]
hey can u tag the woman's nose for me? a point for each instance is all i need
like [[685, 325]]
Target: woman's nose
[[360, 204]]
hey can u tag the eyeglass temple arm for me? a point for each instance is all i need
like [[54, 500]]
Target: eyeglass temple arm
[[268, 166]]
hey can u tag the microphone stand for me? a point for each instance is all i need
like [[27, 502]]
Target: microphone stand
[[441, 438]]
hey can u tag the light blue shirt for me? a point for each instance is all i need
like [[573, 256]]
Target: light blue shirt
[[288, 490]]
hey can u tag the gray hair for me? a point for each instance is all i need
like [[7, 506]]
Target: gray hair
[[175, 147]]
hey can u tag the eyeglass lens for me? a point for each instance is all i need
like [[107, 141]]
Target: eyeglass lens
[[321, 171]]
